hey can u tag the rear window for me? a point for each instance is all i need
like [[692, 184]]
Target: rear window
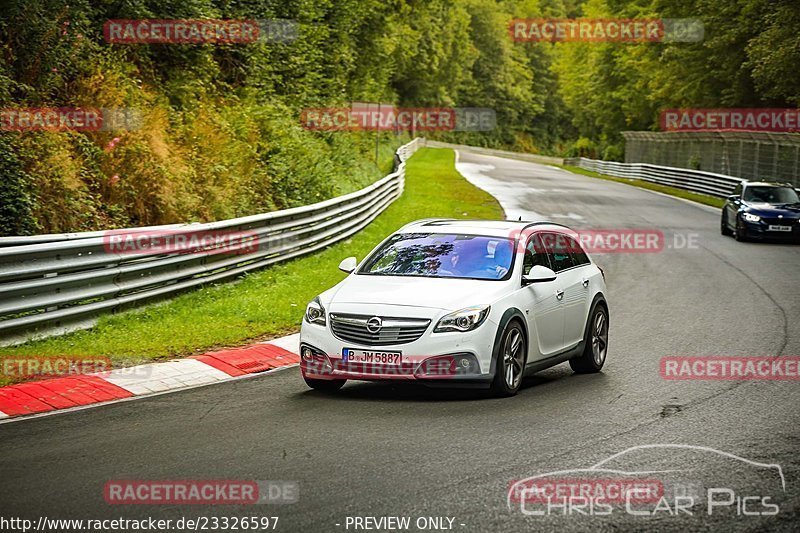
[[559, 248], [579, 256]]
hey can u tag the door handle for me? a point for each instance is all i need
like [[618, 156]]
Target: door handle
[[559, 294], [585, 282]]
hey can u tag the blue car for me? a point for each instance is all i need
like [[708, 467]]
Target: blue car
[[762, 211]]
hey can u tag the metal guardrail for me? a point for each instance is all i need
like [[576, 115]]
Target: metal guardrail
[[54, 283], [709, 183]]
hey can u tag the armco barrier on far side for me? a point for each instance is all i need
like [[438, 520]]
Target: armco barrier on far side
[[53, 283], [709, 183]]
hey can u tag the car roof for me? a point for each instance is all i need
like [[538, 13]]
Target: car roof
[[766, 184], [493, 228]]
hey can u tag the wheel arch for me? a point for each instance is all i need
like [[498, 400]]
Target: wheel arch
[[510, 314]]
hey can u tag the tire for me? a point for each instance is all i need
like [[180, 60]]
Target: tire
[[325, 385], [723, 226], [510, 361], [595, 341], [741, 233]]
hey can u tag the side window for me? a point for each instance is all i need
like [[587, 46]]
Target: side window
[[535, 254], [579, 256], [560, 254]]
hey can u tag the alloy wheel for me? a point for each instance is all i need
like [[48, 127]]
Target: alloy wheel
[[513, 358], [599, 337]]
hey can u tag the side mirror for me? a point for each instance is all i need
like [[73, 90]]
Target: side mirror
[[733, 198], [538, 274], [348, 265]]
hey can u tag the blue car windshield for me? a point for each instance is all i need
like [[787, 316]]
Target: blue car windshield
[[770, 195], [440, 255]]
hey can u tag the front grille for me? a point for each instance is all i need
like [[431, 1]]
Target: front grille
[[353, 328], [780, 221]]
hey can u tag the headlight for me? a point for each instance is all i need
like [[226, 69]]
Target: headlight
[[315, 313], [463, 320], [751, 217]]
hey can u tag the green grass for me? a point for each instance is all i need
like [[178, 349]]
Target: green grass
[[673, 191], [270, 302]]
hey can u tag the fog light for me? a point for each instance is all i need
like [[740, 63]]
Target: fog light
[[307, 354], [466, 364]]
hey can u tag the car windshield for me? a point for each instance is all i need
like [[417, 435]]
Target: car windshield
[[771, 195], [442, 256]]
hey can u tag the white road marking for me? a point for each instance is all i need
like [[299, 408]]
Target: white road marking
[[570, 215], [507, 193]]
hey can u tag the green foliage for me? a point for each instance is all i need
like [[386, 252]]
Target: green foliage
[[220, 133], [747, 58], [16, 217]]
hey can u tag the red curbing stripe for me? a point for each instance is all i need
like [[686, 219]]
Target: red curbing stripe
[[107, 388], [81, 390], [279, 355], [73, 391], [220, 365], [15, 402], [65, 388], [45, 395], [248, 360]]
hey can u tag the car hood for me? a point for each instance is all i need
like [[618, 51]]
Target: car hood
[[435, 293], [772, 211]]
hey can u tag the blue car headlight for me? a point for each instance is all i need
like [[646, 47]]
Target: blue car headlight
[[750, 217]]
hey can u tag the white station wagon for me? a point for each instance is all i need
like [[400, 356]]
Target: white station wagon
[[460, 303]]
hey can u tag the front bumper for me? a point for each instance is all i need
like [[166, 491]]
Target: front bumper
[[760, 230], [435, 358]]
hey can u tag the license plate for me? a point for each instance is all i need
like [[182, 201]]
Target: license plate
[[780, 228], [351, 355]]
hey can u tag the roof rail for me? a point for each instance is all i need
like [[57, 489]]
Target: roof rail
[[424, 221], [544, 223]]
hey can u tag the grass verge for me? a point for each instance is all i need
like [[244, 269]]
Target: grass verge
[[666, 189], [270, 302]]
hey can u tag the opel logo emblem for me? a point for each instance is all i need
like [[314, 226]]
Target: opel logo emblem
[[374, 324]]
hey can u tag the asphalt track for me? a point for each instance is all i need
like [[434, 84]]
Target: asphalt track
[[391, 450]]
